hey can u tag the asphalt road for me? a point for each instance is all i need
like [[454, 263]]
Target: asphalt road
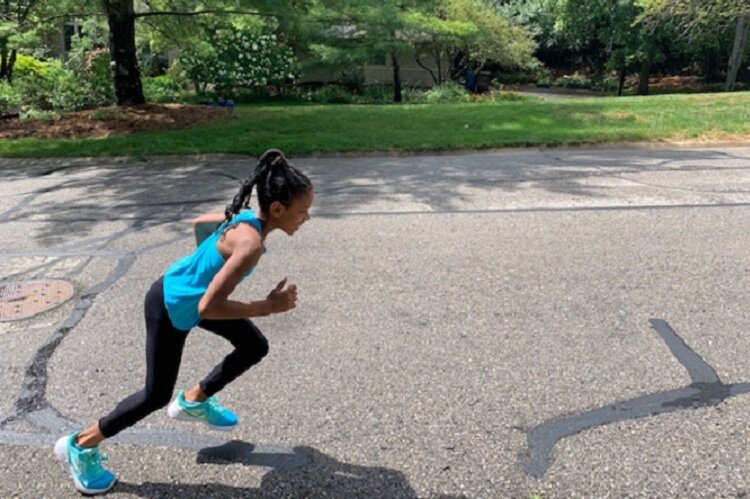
[[569, 323]]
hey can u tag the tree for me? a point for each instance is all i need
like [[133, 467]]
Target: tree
[[469, 34], [465, 34], [738, 50], [606, 29], [126, 73], [122, 16], [14, 24], [694, 18], [361, 30]]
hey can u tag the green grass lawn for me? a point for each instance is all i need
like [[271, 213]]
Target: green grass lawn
[[308, 129]]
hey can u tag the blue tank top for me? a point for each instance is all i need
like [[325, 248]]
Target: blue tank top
[[187, 280]]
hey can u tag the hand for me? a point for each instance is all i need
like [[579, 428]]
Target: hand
[[281, 299]]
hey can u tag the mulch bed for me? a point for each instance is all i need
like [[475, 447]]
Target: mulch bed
[[105, 122]]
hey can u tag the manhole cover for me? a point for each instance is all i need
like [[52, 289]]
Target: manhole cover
[[23, 299]]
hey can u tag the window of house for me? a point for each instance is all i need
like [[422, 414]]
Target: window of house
[[69, 31]]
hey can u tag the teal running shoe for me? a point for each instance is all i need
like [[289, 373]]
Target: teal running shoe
[[85, 466], [209, 412]]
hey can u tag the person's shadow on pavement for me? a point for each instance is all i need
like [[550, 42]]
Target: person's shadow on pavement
[[303, 473]]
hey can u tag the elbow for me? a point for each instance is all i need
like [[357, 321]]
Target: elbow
[[204, 309]]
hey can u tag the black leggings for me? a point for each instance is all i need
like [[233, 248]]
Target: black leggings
[[164, 345]]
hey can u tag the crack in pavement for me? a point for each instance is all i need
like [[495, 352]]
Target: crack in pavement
[[33, 407]]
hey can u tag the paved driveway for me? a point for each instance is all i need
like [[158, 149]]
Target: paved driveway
[[566, 322]]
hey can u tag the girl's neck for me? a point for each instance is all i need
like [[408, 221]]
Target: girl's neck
[[266, 225]]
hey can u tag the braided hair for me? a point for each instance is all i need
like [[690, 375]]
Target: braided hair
[[274, 179]]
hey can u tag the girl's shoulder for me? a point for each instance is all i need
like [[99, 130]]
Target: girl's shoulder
[[249, 216]]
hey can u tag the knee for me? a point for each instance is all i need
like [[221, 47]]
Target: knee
[[258, 349], [157, 399], [262, 348], [254, 350]]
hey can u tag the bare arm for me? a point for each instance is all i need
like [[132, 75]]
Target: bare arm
[[215, 303], [204, 225]]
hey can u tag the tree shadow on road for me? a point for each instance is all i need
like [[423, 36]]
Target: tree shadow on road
[[306, 473], [82, 197]]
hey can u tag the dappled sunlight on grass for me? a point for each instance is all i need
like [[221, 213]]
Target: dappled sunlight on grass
[[502, 126]]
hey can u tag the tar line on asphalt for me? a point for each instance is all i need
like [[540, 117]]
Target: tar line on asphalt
[[33, 407], [705, 390]]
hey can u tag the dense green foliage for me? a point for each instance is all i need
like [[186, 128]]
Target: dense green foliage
[[237, 48]]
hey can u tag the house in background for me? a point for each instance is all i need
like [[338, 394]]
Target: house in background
[[412, 74], [61, 42], [380, 72]]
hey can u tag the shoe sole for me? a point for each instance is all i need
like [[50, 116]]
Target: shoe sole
[[175, 412], [61, 452]]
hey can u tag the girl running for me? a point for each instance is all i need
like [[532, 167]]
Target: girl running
[[195, 291]]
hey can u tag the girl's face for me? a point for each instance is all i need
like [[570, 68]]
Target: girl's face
[[290, 218]]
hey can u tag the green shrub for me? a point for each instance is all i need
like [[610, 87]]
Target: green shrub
[[98, 73], [331, 94], [543, 77], [163, 88], [10, 100], [574, 81], [511, 79], [606, 84], [34, 90], [229, 58], [377, 94], [414, 95], [352, 79], [59, 89], [73, 92], [48, 85], [26, 65], [447, 92]]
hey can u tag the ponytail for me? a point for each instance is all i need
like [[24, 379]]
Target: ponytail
[[274, 178]]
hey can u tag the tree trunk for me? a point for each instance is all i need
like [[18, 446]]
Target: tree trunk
[[621, 83], [11, 65], [439, 61], [740, 41], [7, 62], [4, 14], [457, 65], [396, 79], [643, 78], [3, 62], [123, 60]]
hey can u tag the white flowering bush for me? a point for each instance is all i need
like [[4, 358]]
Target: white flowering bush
[[233, 58]]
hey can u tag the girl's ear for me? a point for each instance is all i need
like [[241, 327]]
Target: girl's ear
[[276, 209]]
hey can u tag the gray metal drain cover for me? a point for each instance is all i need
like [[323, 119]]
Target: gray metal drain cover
[[24, 299]]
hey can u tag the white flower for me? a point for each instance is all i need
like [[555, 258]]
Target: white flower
[[255, 46]]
